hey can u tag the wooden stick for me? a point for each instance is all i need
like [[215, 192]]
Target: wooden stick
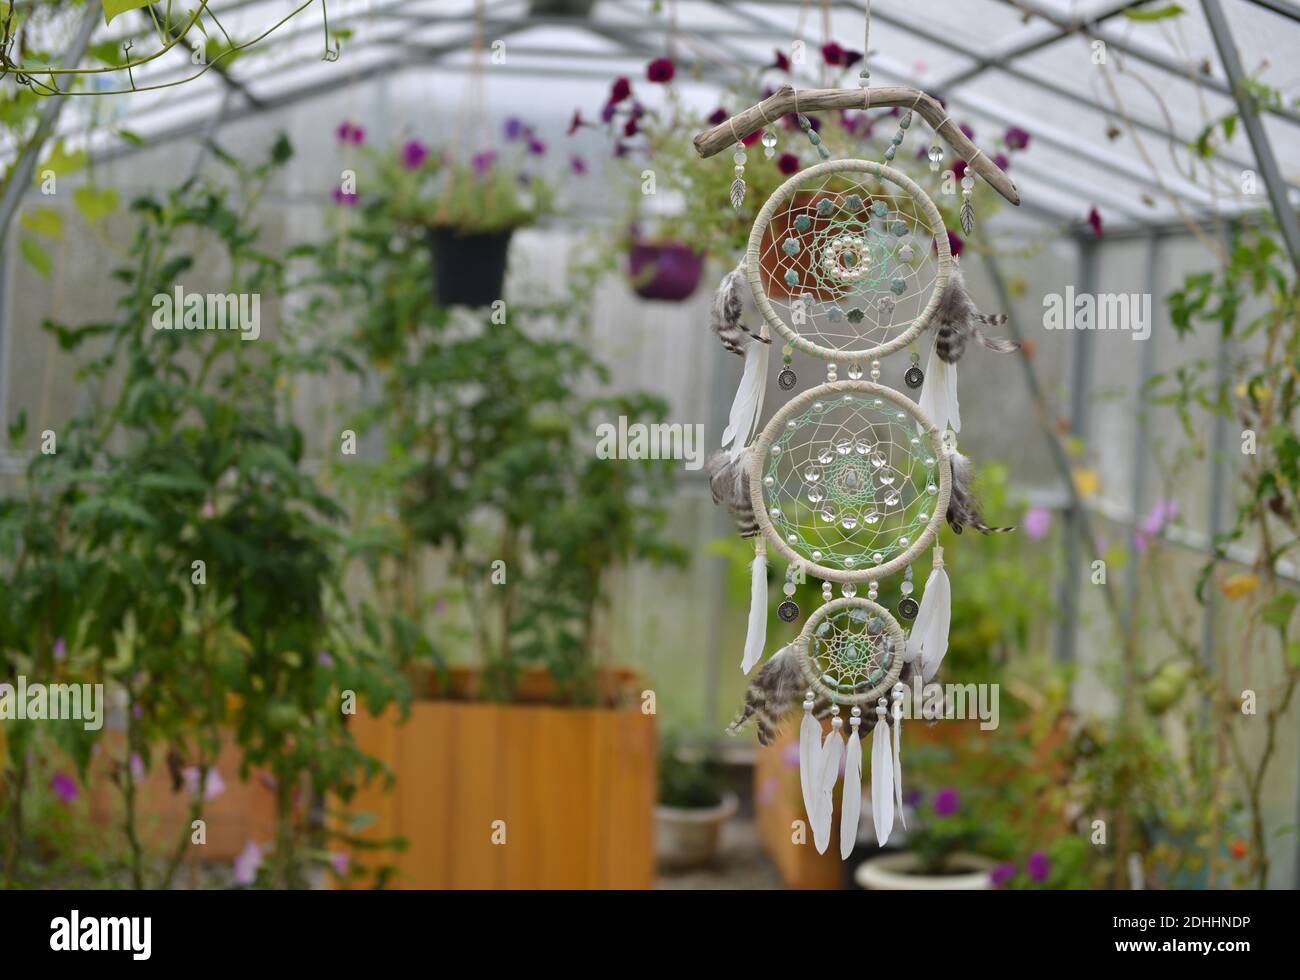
[[784, 100]]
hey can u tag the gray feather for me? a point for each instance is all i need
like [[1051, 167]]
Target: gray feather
[[729, 484], [963, 507], [776, 690], [727, 316], [958, 319]]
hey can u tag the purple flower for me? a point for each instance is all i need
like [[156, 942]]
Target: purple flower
[[213, 786], [578, 165], [718, 116], [946, 802], [619, 91], [967, 131], [1037, 866], [246, 864], [414, 153], [325, 659], [1001, 162], [575, 123], [607, 112], [787, 163], [1094, 220], [913, 797], [661, 70], [1036, 523], [536, 147], [137, 767], [345, 198], [1161, 514], [340, 861], [1002, 874], [137, 710], [60, 648], [348, 133], [515, 128], [483, 162], [64, 786], [782, 63], [1015, 138], [790, 756]]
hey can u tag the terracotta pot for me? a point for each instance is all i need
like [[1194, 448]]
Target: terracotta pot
[[512, 795], [898, 872], [688, 837], [774, 262], [667, 270]]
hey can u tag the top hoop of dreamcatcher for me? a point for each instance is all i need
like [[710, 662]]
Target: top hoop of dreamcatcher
[[840, 267]]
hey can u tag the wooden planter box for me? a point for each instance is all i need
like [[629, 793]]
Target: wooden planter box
[[571, 789]]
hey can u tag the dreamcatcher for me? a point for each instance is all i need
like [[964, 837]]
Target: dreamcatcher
[[851, 480]]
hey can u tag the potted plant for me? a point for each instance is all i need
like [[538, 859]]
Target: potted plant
[[694, 804], [943, 843], [490, 529]]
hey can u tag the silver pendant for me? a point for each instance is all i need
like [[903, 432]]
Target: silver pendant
[[786, 379], [914, 377], [788, 611]]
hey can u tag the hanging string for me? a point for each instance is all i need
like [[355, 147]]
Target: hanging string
[[864, 76]]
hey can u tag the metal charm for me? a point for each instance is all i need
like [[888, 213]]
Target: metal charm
[[788, 611], [908, 608], [914, 377], [786, 379]]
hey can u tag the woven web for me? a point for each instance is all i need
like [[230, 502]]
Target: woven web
[[847, 261], [850, 651], [850, 482]]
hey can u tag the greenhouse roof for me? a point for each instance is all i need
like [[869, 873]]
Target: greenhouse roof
[[1032, 64]]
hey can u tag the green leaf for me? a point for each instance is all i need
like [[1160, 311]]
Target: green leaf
[[46, 222], [95, 203], [1293, 654], [114, 7], [131, 136], [1278, 611], [61, 162], [37, 256], [1154, 13]]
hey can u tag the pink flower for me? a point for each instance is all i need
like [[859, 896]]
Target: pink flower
[[346, 198], [213, 786], [578, 165], [64, 786], [1037, 866], [246, 864], [661, 70], [414, 153], [340, 862], [137, 767], [1001, 162], [1161, 514], [350, 133], [946, 802], [483, 162], [790, 756], [60, 648], [1036, 523]]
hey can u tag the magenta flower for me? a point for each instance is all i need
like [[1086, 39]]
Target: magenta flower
[[346, 198], [1015, 138], [1001, 161], [536, 147], [661, 70], [782, 63], [718, 116], [1002, 874], [414, 153], [483, 162], [959, 169], [1037, 866], [1094, 220], [833, 54], [956, 244], [64, 786], [246, 864], [619, 91], [1036, 523], [349, 132], [967, 131], [575, 123], [340, 862], [946, 802], [630, 127], [578, 165], [60, 648], [787, 163]]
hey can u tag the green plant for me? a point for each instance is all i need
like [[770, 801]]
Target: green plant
[[690, 776], [174, 548]]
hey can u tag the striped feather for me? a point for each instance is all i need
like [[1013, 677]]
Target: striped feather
[[963, 507], [729, 484]]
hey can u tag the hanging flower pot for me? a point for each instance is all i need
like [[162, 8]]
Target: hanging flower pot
[[469, 269], [664, 270]]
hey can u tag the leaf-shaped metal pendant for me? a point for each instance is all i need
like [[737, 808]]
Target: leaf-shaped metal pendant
[[738, 192], [967, 217]]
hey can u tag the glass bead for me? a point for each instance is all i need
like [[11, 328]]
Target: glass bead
[[769, 152], [825, 457], [862, 447], [849, 521], [792, 425], [818, 407], [740, 170], [849, 590], [853, 202], [897, 139], [877, 557], [775, 450], [850, 561], [817, 556], [872, 517], [906, 120], [828, 514], [936, 153], [814, 496], [903, 542], [788, 588], [855, 371], [824, 206], [812, 474], [931, 488], [775, 512], [899, 228], [906, 588], [844, 447], [968, 182], [769, 138], [899, 286], [739, 156]]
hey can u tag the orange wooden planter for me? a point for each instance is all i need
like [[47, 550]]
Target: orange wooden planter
[[512, 795]]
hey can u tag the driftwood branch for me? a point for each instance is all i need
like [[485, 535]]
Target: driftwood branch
[[784, 100]]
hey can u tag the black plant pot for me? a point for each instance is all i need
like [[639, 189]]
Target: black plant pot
[[468, 269]]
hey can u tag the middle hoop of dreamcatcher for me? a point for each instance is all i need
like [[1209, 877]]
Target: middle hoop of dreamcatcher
[[851, 480], [851, 651], [848, 259]]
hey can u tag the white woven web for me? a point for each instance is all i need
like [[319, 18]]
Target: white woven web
[[850, 652], [847, 260], [850, 482]]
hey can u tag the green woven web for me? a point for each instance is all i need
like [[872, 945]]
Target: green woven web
[[847, 261], [850, 651], [850, 483]]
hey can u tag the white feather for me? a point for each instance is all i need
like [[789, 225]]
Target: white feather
[[898, 761], [882, 782], [756, 635], [930, 629], [851, 808], [939, 393], [829, 772], [810, 737], [748, 403]]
